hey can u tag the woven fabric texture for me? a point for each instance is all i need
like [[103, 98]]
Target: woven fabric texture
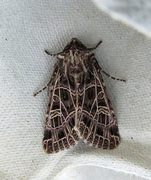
[[29, 27]]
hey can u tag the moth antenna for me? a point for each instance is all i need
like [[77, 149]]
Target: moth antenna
[[47, 86], [111, 77], [93, 48], [51, 54]]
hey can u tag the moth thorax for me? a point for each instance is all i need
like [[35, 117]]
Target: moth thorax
[[75, 68]]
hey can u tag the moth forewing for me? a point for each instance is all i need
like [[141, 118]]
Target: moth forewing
[[79, 106]]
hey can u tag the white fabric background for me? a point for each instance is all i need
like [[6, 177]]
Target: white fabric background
[[29, 27], [135, 13]]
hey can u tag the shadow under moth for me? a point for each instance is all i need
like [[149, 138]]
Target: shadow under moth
[[79, 105]]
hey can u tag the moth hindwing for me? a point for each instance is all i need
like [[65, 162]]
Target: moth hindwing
[[79, 105]]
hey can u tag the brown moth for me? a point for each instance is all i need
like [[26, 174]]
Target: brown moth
[[79, 105]]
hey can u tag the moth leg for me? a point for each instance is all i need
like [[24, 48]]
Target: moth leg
[[47, 86], [90, 49], [111, 76], [51, 54]]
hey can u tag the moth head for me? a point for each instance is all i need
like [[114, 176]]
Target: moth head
[[74, 44]]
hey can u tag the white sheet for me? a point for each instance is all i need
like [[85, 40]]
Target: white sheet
[[29, 27]]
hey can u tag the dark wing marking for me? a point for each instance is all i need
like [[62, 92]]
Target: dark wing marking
[[59, 131], [97, 122]]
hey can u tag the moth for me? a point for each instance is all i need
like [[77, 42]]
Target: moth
[[79, 105]]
